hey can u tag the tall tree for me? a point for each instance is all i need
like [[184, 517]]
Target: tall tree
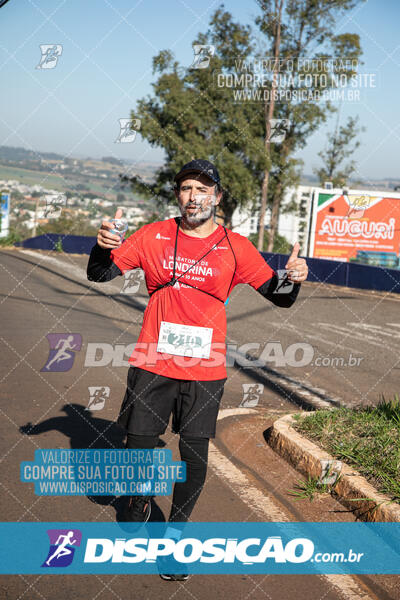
[[298, 31], [189, 116], [342, 144]]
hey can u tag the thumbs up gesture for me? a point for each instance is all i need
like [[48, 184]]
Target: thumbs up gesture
[[297, 267], [105, 239]]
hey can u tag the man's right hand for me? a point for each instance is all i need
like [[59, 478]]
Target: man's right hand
[[108, 240]]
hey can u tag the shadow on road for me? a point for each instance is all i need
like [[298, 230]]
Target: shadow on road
[[88, 432]]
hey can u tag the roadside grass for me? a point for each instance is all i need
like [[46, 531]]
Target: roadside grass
[[311, 486], [367, 438]]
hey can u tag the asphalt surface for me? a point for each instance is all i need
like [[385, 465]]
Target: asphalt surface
[[45, 293]]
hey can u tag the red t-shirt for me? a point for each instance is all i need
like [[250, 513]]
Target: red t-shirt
[[151, 248]]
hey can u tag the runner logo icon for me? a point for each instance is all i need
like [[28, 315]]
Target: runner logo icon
[[128, 129], [62, 351], [50, 55], [251, 394], [61, 551], [202, 56], [98, 396], [132, 281]]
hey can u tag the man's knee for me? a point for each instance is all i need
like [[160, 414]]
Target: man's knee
[[194, 451], [135, 441]]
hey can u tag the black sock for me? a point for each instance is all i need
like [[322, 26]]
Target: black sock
[[194, 451]]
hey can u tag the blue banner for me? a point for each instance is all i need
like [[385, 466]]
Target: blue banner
[[213, 548], [81, 472]]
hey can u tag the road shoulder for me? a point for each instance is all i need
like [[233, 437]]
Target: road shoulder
[[352, 489]]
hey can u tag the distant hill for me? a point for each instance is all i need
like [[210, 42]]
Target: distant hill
[[30, 159], [10, 153], [391, 183]]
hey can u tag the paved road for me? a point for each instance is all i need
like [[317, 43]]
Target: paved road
[[43, 294]]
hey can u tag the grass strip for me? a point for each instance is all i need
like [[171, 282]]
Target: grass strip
[[367, 438]]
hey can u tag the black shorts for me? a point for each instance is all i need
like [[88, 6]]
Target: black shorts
[[150, 399]]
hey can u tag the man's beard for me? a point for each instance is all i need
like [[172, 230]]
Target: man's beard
[[201, 216]]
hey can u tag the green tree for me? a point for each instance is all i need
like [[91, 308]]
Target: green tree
[[189, 117], [342, 144], [281, 245], [296, 30]]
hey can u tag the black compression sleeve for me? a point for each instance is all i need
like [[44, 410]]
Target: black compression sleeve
[[100, 266], [280, 298]]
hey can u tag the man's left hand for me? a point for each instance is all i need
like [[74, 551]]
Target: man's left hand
[[296, 266]]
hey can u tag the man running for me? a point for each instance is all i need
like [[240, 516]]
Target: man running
[[191, 265]]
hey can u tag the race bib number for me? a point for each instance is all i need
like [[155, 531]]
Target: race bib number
[[184, 340]]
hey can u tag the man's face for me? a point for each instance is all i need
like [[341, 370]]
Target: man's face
[[196, 198]]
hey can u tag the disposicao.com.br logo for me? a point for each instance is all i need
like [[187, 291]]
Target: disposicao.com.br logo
[[191, 550], [202, 548]]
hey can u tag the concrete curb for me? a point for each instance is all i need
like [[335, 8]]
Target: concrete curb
[[306, 457]]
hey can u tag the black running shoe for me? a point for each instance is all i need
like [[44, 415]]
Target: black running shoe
[[164, 564], [138, 509]]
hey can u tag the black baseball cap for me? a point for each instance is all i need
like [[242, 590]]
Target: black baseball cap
[[199, 166]]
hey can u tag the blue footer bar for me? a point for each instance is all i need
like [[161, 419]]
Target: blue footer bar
[[204, 548]]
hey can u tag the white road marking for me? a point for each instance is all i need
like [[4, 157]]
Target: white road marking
[[376, 329], [259, 502], [263, 505], [312, 336], [349, 588], [363, 337]]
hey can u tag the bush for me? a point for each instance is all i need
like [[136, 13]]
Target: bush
[[11, 238]]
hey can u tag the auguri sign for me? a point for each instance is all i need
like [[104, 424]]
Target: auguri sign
[[355, 225]]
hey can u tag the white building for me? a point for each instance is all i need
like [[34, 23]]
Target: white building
[[170, 211], [132, 212], [245, 221], [294, 225]]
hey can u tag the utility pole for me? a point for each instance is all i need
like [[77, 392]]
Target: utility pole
[[35, 218]]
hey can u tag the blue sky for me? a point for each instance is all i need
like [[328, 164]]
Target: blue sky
[[106, 63]]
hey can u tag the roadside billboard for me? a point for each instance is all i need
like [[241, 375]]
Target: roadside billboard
[[4, 213], [356, 226]]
